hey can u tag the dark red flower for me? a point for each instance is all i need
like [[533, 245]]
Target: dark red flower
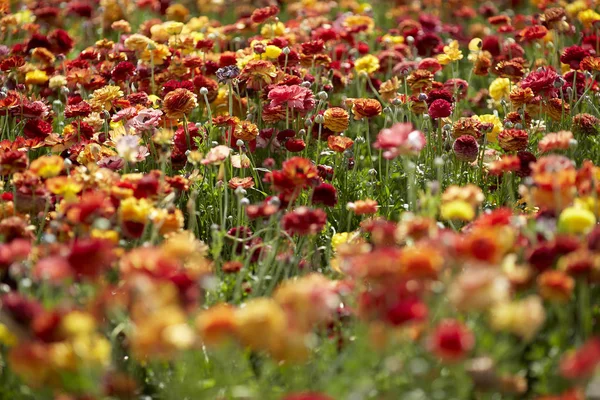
[[573, 55], [466, 148], [61, 42], [295, 145], [325, 194], [440, 108], [37, 129], [123, 71], [304, 221]]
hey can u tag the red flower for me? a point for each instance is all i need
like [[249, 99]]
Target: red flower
[[37, 129], [20, 309], [440, 108], [304, 221], [61, 42], [582, 363], [300, 171], [295, 97], [295, 145], [532, 33], [541, 82], [123, 71], [573, 55], [90, 257], [81, 109], [260, 15], [325, 194], [466, 148], [451, 340], [313, 47]]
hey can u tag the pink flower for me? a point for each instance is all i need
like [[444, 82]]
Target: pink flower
[[125, 114], [216, 155], [296, 97], [401, 138], [146, 119]]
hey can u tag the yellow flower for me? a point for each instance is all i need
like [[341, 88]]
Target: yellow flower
[[135, 210], [6, 336], [339, 238], [272, 51], [451, 53], [93, 350], [261, 324], [78, 323], [393, 39], [475, 45], [137, 42], [576, 7], [354, 21], [36, 77], [576, 220], [269, 31], [588, 17], [64, 186], [24, 17], [156, 54], [500, 88], [457, 210], [492, 136], [367, 64], [47, 167], [173, 27], [103, 98], [110, 235]]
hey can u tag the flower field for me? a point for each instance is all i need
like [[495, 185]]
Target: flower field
[[299, 200]]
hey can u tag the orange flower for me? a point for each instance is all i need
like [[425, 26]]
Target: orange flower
[[361, 207], [467, 126], [420, 81], [336, 119], [365, 108], [557, 109], [237, 182], [179, 103], [556, 286], [513, 139], [47, 167], [421, 261], [217, 324], [245, 130], [339, 144], [258, 74], [520, 96]]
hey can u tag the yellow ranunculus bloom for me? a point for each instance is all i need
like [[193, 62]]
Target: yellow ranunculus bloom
[[36, 77], [500, 88], [367, 64], [457, 210], [576, 220]]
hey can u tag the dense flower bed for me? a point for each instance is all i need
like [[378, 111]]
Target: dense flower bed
[[299, 200]]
